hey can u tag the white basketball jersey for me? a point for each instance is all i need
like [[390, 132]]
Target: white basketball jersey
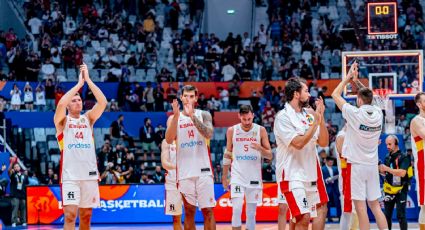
[[364, 126], [170, 176], [193, 157], [77, 150], [246, 164], [295, 164]]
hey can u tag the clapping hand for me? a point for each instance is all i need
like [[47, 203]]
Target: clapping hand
[[320, 110], [81, 80], [85, 72], [353, 73], [320, 105], [176, 108], [189, 110]]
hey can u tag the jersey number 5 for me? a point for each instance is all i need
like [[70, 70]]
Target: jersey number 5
[[79, 135], [245, 148]]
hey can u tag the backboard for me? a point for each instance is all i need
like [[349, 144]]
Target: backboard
[[398, 72]]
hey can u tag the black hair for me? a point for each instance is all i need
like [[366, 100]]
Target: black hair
[[244, 109], [293, 85], [189, 88]]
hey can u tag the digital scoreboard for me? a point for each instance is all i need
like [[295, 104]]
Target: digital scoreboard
[[382, 20]]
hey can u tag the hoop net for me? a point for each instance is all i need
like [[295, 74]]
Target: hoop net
[[381, 97]]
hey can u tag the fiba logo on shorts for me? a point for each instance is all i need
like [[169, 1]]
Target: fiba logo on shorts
[[237, 189], [71, 196], [310, 119], [191, 144], [305, 203]]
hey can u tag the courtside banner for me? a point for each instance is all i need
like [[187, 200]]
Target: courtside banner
[[135, 204], [145, 204], [119, 204]]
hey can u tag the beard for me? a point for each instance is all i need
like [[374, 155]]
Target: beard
[[303, 104], [247, 126]]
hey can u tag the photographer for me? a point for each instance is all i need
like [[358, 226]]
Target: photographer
[[18, 182], [109, 176], [396, 184]]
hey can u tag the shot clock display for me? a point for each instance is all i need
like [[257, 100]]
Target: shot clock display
[[382, 20]]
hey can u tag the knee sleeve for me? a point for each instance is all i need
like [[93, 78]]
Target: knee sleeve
[[422, 215], [237, 204], [251, 210]]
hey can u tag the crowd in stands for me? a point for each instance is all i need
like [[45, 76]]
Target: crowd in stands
[[295, 43], [106, 34]]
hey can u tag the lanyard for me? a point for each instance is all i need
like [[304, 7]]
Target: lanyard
[[20, 178], [396, 162]]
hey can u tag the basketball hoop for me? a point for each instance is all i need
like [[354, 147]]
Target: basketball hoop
[[381, 97]]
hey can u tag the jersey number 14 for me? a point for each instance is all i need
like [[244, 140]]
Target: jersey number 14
[[191, 134]]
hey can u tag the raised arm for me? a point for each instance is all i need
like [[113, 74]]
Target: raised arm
[[358, 83], [323, 139], [336, 94], [205, 128], [101, 101], [60, 112], [172, 122], [264, 148], [165, 156]]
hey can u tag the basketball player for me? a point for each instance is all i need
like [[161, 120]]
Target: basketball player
[[322, 205], [191, 129], [298, 130], [364, 126], [282, 209], [79, 174], [417, 128], [173, 199], [247, 144], [348, 218]]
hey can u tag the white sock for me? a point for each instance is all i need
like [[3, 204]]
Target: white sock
[[251, 210], [345, 222], [237, 204]]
